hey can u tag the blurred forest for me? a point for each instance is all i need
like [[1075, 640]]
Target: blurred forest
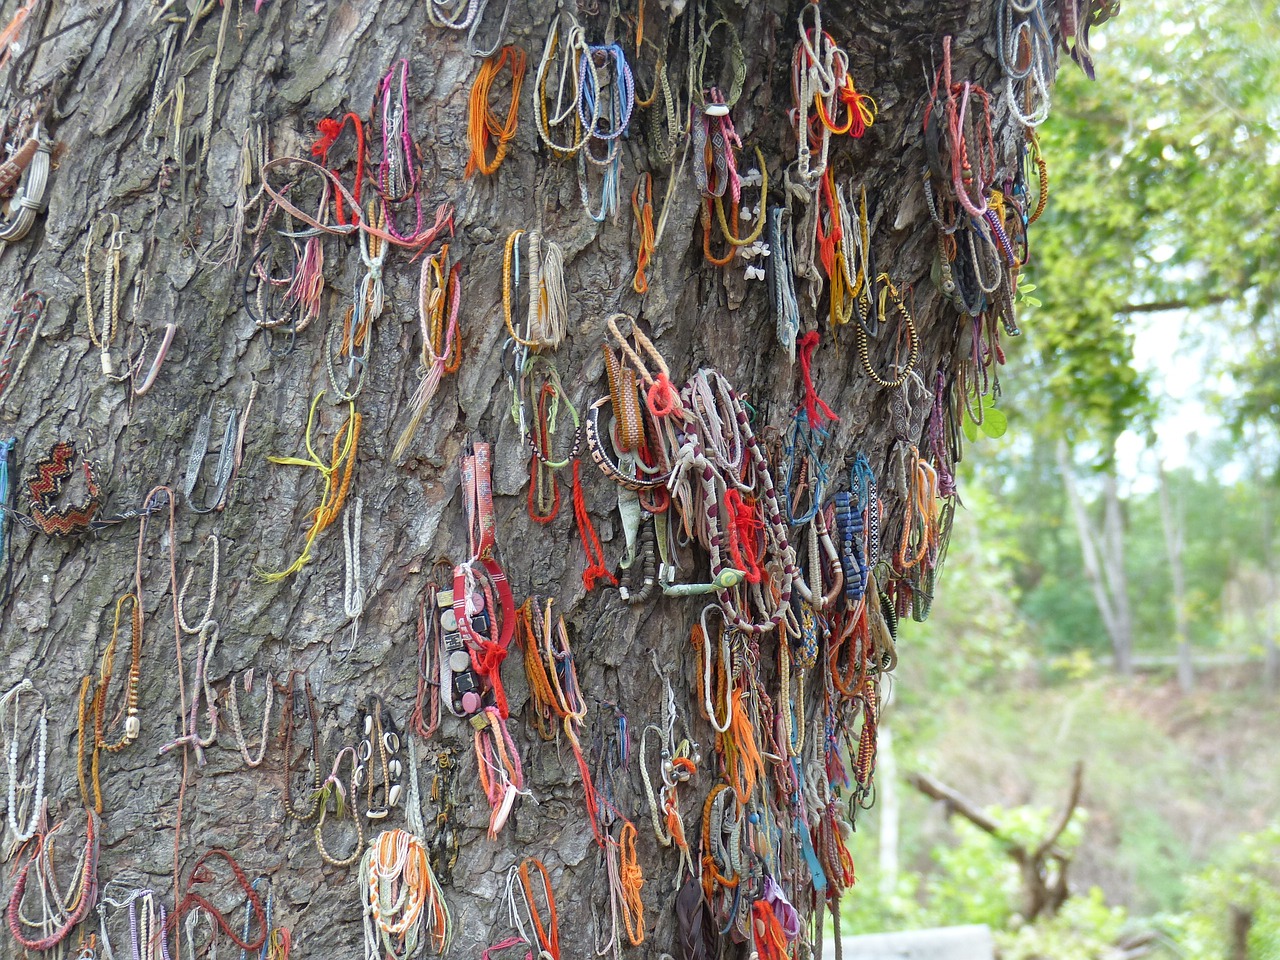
[[1111, 593]]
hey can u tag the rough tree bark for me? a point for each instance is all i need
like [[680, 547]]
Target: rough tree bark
[[286, 67]]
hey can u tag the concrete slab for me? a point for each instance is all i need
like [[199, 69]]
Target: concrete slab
[[942, 943]]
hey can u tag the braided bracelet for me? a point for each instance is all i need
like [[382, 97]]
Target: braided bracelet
[[46, 484]]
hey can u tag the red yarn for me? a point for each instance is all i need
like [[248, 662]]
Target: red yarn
[[596, 569], [487, 656], [662, 398], [744, 532], [330, 131], [813, 404], [771, 942]]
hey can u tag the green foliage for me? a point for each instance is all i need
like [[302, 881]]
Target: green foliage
[[974, 880], [1246, 879], [994, 423], [1165, 174], [1086, 928]]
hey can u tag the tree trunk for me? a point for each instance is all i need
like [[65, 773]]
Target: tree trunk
[[151, 114], [1241, 924], [1173, 524], [1103, 556]]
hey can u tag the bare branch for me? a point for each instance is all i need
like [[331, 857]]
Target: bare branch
[[1068, 810], [955, 801], [1160, 306]]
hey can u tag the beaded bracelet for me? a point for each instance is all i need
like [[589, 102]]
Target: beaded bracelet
[[913, 338]]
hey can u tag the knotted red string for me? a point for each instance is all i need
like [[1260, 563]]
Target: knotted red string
[[330, 131], [662, 398], [596, 570], [744, 533], [813, 404], [487, 656]]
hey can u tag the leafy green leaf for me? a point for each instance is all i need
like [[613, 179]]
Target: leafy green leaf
[[994, 423]]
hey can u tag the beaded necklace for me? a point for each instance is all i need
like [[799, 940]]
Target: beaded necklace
[[93, 705], [37, 754], [6, 508], [380, 768], [332, 794], [59, 917], [293, 698]]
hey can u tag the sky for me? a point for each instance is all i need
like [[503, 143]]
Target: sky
[[1176, 364]]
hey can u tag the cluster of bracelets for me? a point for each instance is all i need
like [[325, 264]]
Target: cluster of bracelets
[[792, 566]]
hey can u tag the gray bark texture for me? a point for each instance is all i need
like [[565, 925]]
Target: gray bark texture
[[285, 68]]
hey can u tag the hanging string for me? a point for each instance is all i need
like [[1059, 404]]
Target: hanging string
[[439, 297], [596, 569], [814, 407], [482, 123], [334, 491]]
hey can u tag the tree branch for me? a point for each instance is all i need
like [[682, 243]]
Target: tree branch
[[1068, 810], [1159, 306], [956, 802]]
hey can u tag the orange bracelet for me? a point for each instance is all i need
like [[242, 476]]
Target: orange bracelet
[[482, 122], [548, 936]]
